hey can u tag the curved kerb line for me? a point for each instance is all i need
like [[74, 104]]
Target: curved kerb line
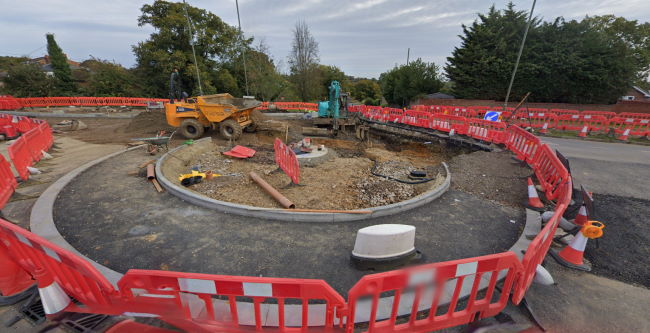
[[42, 224]]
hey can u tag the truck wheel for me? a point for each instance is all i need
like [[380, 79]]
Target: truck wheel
[[191, 129], [230, 129], [250, 128]]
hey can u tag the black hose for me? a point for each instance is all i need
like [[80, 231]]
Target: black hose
[[421, 181]]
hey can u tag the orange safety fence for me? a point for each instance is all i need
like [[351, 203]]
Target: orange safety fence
[[286, 160]]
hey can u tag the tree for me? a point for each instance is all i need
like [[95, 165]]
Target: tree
[[594, 60], [403, 83], [65, 85], [264, 80], [303, 62], [170, 46], [27, 80], [481, 67], [367, 91], [110, 79]]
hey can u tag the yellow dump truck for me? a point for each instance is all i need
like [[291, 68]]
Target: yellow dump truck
[[223, 112]]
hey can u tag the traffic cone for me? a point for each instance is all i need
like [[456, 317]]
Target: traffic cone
[[544, 129], [572, 255], [533, 198], [582, 218], [53, 297], [626, 133], [583, 132]]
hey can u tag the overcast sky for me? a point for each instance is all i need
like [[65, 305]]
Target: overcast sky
[[363, 38]]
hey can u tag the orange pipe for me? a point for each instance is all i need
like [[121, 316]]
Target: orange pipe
[[286, 203]]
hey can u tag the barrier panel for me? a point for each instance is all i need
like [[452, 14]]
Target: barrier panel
[[635, 127], [211, 301], [634, 115], [447, 123], [522, 143], [570, 122], [487, 130], [540, 120], [395, 115], [8, 102], [286, 159], [7, 182], [58, 270], [33, 140], [596, 123], [422, 292], [606, 114], [561, 112], [550, 172], [539, 247], [20, 157], [86, 101]]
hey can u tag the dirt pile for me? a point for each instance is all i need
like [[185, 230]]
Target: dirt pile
[[148, 122], [378, 192]]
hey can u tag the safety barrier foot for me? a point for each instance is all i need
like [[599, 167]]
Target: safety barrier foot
[[292, 185]]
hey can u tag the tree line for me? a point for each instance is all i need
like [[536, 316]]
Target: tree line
[[593, 60]]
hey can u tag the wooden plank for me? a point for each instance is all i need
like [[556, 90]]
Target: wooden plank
[[157, 185]]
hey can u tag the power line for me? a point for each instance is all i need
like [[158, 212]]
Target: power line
[[243, 50], [521, 49]]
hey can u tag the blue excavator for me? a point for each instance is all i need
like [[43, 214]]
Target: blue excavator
[[333, 113]]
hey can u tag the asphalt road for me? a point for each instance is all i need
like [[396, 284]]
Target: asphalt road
[[607, 168]]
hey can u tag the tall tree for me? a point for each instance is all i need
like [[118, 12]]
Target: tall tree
[[594, 60], [303, 62], [65, 85], [170, 46], [403, 83]]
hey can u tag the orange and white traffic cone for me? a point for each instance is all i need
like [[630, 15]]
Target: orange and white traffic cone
[[533, 198], [626, 133], [572, 255], [53, 297], [582, 218], [583, 132]]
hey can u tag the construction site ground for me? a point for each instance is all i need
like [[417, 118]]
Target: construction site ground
[[612, 298]]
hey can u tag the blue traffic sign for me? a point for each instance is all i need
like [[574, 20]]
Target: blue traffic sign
[[492, 115]]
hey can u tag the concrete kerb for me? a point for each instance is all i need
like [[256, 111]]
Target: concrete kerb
[[42, 223], [287, 215], [41, 220]]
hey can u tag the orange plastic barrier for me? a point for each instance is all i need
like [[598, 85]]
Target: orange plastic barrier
[[427, 287], [550, 172], [7, 182], [606, 114], [447, 123], [634, 115], [58, 271], [86, 101], [540, 120], [8, 102], [286, 159], [487, 130], [538, 248], [522, 143], [21, 157], [631, 126], [202, 302]]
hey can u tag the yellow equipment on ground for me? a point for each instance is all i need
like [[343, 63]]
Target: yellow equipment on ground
[[224, 112]]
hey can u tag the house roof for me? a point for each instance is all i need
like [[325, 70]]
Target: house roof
[[439, 95], [645, 93]]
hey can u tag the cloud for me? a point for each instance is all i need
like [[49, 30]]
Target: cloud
[[363, 38]]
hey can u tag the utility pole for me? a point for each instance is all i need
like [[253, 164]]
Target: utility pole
[[196, 64], [408, 55], [243, 51], [521, 49]]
